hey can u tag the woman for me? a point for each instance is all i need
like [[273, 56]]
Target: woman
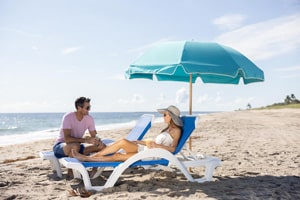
[[167, 139]]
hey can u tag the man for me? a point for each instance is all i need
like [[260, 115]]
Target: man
[[74, 126]]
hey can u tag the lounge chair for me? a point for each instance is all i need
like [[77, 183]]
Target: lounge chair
[[136, 133], [145, 158]]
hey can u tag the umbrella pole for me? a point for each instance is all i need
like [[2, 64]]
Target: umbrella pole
[[191, 93], [190, 109]]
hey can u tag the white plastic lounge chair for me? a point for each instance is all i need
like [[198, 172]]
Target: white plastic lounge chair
[[137, 133], [145, 158]]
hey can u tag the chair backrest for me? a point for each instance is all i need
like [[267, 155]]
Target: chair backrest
[[187, 129], [141, 127]]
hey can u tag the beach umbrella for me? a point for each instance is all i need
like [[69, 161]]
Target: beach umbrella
[[186, 61]]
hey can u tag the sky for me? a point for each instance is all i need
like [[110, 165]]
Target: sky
[[53, 51]]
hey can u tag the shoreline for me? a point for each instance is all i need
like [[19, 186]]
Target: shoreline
[[259, 151], [20, 138], [10, 139]]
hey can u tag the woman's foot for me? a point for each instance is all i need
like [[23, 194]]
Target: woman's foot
[[79, 156], [84, 158]]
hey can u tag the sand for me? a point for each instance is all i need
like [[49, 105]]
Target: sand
[[260, 153]]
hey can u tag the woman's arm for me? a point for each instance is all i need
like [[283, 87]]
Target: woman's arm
[[140, 142]]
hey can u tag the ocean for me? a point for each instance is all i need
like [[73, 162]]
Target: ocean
[[24, 127]]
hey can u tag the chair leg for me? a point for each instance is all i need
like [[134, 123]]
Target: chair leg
[[76, 174], [55, 165], [209, 169], [98, 173]]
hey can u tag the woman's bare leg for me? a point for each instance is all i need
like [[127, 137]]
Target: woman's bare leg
[[127, 146], [114, 157], [82, 157]]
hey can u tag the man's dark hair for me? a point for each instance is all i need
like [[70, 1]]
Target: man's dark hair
[[80, 102]]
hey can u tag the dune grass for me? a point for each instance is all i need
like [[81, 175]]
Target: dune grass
[[280, 106]]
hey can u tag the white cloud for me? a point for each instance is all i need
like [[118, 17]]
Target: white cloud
[[218, 99], [289, 72], [35, 48], [182, 96], [137, 99], [123, 101], [288, 69], [229, 22], [243, 101], [21, 32], [250, 99], [140, 50], [161, 97], [290, 76], [134, 99], [202, 99], [238, 101], [29, 106], [116, 77], [265, 39], [70, 50]]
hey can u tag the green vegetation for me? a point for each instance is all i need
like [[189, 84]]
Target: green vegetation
[[280, 106], [289, 102]]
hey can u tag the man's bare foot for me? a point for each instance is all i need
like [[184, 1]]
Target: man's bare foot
[[93, 172], [70, 174]]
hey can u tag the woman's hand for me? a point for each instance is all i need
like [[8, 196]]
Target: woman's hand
[[150, 144]]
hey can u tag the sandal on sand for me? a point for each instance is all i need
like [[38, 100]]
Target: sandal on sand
[[80, 192]]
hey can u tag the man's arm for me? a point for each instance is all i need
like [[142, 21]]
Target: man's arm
[[96, 141], [93, 133], [70, 139]]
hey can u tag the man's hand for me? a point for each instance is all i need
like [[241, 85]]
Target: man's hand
[[91, 140], [100, 145], [95, 141]]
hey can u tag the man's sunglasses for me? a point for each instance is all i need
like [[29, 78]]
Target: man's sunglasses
[[87, 108]]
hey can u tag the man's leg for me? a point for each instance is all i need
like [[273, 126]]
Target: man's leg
[[68, 148], [68, 151]]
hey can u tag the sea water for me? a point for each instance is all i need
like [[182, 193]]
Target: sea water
[[24, 127]]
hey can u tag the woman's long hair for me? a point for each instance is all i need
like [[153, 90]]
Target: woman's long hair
[[171, 125]]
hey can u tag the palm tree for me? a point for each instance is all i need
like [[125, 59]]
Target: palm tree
[[249, 106], [287, 100], [293, 97]]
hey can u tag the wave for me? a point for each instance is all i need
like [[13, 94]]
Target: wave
[[14, 136], [9, 128], [52, 133], [28, 137]]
